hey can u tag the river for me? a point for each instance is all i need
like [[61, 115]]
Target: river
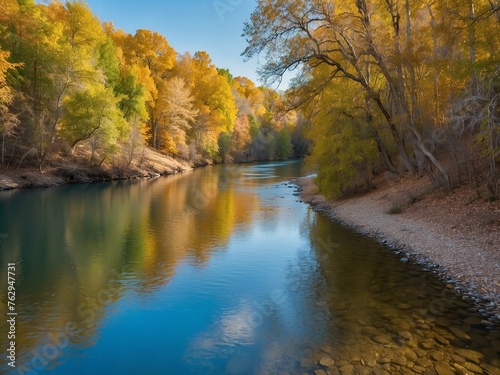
[[218, 271]]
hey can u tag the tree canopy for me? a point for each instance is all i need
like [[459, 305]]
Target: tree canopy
[[73, 86], [382, 71]]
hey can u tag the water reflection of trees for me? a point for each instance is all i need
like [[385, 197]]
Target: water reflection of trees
[[81, 248]]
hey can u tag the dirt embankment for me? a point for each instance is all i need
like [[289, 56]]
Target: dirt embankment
[[457, 235], [59, 172]]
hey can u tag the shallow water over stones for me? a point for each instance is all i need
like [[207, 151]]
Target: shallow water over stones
[[389, 319]]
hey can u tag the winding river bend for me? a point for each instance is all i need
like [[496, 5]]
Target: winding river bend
[[219, 271]]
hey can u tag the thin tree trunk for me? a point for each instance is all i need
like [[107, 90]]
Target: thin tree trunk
[[3, 147], [385, 154], [155, 132], [472, 38], [437, 106], [397, 138]]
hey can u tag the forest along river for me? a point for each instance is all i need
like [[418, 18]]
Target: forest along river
[[219, 271]]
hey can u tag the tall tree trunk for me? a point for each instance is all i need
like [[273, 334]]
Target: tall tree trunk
[[382, 148], [395, 135], [472, 39], [386, 158], [472, 33], [396, 87], [415, 112], [154, 126], [435, 55]]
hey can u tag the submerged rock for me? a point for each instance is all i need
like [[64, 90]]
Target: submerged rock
[[327, 361], [347, 370], [382, 339], [459, 333], [471, 355], [443, 369]]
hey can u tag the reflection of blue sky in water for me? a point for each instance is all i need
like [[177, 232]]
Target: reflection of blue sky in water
[[169, 312]]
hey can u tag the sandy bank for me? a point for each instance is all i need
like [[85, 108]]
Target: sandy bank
[[60, 172], [455, 235]]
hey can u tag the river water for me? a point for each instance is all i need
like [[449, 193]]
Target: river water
[[219, 271]]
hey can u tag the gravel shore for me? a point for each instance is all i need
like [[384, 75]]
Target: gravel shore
[[455, 234]]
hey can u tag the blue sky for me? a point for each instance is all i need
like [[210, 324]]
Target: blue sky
[[214, 26]]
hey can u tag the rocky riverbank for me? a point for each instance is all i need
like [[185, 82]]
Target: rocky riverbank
[[456, 235], [60, 172]]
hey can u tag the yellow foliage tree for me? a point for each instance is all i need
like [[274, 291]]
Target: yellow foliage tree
[[212, 99]]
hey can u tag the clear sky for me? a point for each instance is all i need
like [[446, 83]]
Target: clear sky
[[214, 26]]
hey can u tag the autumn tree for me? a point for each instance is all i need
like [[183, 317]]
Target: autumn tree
[[58, 46], [213, 100], [178, 115], [345, 146], [284, 147], [394, 51], [152, 52], [92, 115], [74, 84], [343, 37], [135, 88], [8, 121], [240, 139]]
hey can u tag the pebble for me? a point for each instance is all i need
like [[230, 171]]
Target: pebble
[[424, 362], [320, 372], [362, 370], [386, 367], [437, 356], [443, 369], [471, 355], [487, 323], [371, 363], [459, 333], [442, 340], [418, 369], [409, 354], [457, 358], [405, 336], [460, 370], [400, 361], [419, 352], [423, 326], [473, 367], [355, 358], [347, 370], [443, 322], [326, 361], [382, 339], [426, 345]]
